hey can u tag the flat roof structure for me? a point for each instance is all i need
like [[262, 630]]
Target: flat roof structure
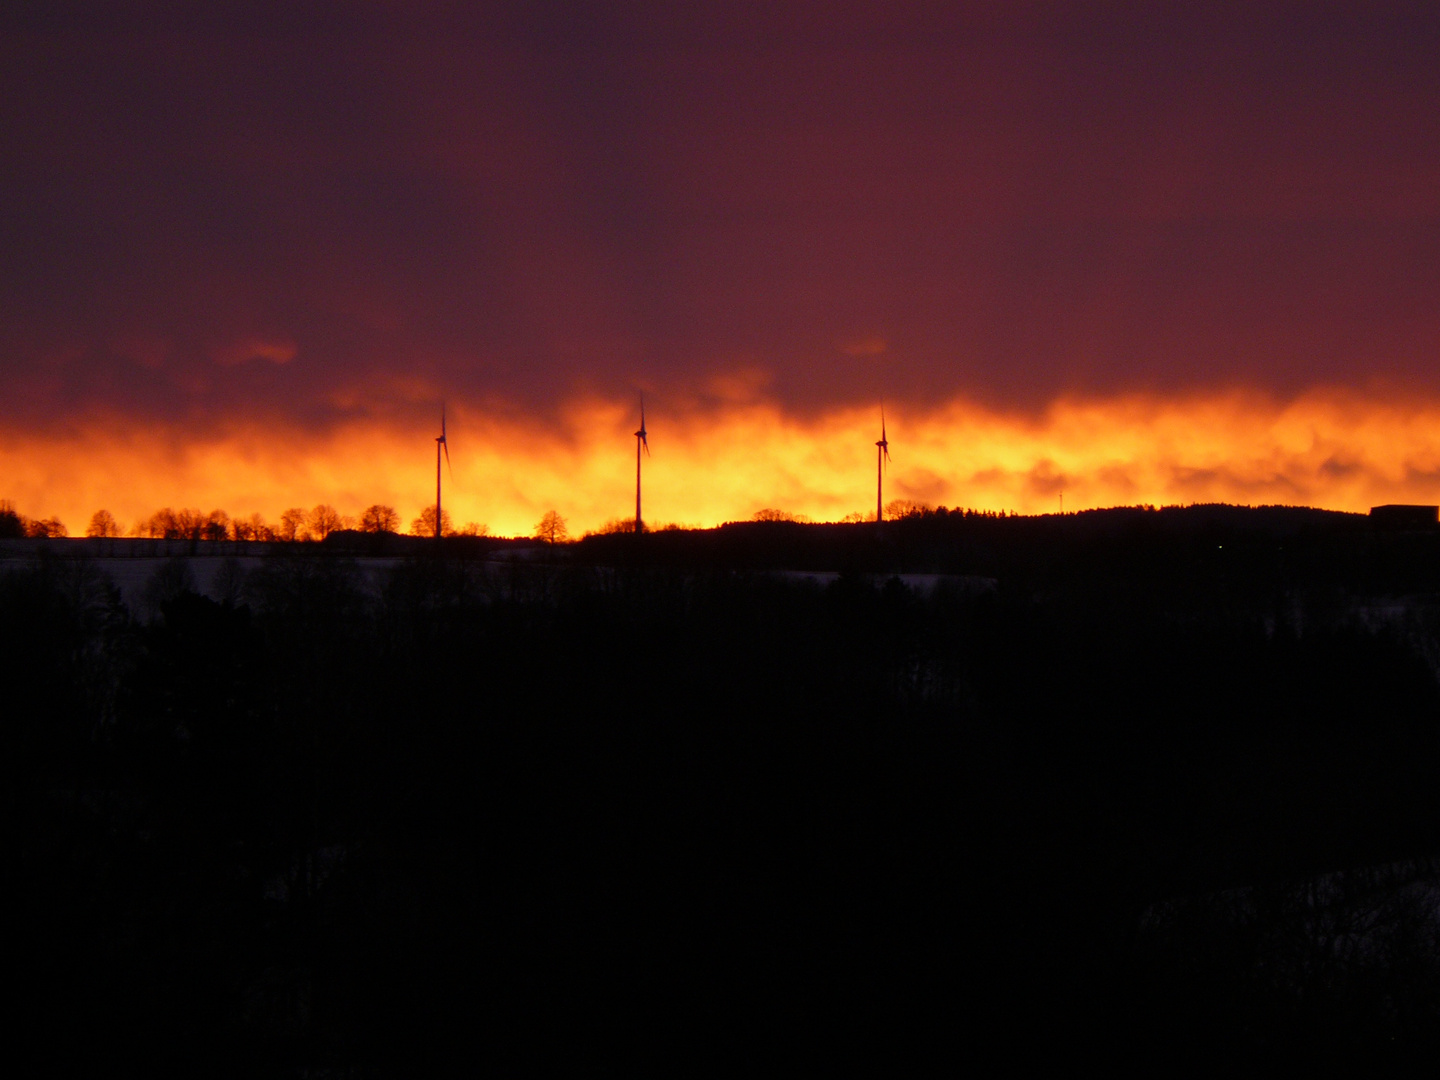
[[1402, 516]]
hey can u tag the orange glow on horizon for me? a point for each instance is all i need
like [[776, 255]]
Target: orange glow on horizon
[[1332, 449]]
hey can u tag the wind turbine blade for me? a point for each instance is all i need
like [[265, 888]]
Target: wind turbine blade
[[448, 469]]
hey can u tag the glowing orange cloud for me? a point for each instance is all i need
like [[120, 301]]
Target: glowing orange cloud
[[1333, 449]]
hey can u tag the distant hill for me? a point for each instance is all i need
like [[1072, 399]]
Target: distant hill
[[971, 542]]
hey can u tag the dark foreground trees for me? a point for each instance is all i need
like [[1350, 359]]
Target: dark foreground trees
[[522, 812]]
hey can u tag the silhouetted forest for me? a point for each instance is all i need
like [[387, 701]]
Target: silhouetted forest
[[1137, 784]]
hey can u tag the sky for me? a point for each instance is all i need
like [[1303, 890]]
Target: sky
[[1134, 252]]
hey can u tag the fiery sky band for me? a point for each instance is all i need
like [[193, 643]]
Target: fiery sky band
[[1333, 449], [246, 248]]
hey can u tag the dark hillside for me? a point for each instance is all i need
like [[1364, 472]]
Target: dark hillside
[[967, 542], [1169, 784]]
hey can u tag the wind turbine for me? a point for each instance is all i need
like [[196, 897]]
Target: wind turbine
[[640, 441], [882, 455], [439, 443]]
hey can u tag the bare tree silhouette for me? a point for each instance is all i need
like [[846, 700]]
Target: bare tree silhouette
[[103, 524], [424, 525], [614, 526], [552, 528], [43, 527], [158, 526], [380, 519], [323, 521], [769, 514], [292, 524], [171, 579], [899, 508], [191, 524], [12, 523], [251, 528], [216, 526], [229, 581], [168, 524]]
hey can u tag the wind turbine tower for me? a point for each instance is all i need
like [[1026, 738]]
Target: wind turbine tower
[[640, 441], [439, 444], [882, 455]]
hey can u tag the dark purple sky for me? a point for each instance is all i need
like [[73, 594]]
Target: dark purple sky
[[1018, 200]]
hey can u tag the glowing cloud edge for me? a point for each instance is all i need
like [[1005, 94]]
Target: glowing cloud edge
[[1331, 448]]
